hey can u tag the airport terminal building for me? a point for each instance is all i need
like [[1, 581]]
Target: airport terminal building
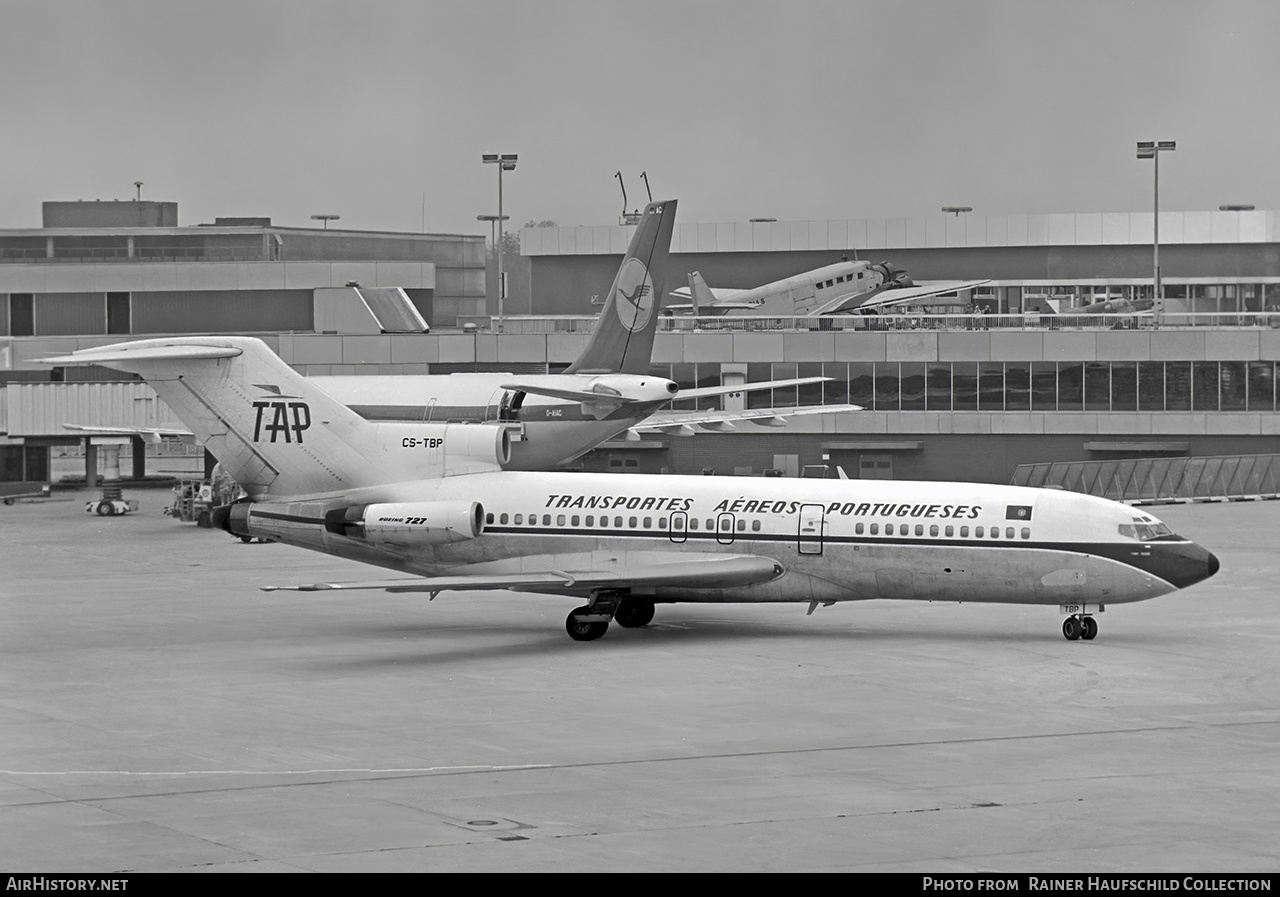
[[959, 396]]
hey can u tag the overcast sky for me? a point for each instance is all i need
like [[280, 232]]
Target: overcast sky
[[799, 110]]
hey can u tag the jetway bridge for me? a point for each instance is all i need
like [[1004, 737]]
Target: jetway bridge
[[1161, 480]]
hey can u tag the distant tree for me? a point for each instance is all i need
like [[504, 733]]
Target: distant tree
[[517, 269]]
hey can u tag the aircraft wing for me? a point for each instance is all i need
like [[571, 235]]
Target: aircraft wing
[[681, 423], [573, 395], [705, 391], [861, 303], [695, 571]]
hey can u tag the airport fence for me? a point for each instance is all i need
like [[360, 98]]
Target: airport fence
[[1161, 480]]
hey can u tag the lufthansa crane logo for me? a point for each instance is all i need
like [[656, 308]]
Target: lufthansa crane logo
[[633, 294]]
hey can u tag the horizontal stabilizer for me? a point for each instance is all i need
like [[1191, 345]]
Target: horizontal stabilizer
[[124, 352]]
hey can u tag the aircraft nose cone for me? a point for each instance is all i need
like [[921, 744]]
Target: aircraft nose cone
[[1187, 564]]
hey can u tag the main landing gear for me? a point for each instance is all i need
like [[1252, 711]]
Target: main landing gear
[[591, 621], [1079, 626]]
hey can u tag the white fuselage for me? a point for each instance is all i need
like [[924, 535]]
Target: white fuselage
[[799, 294], [836, 539], [554, 430]]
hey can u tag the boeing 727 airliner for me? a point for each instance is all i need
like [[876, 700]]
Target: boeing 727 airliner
[[435, 502]]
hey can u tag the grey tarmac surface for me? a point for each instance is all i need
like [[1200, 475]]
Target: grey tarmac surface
[[159, 712]]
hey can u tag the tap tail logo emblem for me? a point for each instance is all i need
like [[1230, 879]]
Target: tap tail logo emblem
[[633, 294]]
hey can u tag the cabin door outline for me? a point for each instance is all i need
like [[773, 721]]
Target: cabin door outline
[[810, 524]]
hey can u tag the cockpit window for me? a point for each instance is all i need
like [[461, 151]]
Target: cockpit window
[[1145, 529]]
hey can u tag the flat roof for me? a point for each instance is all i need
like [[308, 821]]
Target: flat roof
[[940, 231]]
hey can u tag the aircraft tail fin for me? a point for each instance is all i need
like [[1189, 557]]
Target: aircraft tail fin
[[623, 338], [271, 429], [699, 292]]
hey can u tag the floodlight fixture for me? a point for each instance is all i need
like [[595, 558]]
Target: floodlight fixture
[[1151, 149], [505, 162], [956, 210]]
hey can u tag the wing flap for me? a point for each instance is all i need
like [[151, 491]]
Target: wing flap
[[716, 572]]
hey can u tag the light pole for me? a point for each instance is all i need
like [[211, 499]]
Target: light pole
[[956, 210], [1151, 149], [493, 238], [505, 162], [326, 219]]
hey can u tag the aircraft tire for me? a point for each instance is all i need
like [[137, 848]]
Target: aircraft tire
[[8, 501], [1071, 629], [105, 509], [581, 630], [1090, 629], [634, 612]]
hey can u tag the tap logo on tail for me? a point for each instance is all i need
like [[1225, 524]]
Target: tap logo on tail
[[633, 294]]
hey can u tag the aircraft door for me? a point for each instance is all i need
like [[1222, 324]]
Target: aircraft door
[[679, 531], [809, 529], [724, 529], [509, 409]]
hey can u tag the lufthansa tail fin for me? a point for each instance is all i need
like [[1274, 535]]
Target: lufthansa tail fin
[[273, 431], [623, 338]]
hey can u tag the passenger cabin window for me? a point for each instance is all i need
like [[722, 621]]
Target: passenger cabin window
[[591, 520], [488, 518], [519, 519], [1026, 532], [503, 519], [755, 526]]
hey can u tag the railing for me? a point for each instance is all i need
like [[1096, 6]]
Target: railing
[[881, 323], [1154, 480], [141, 254]]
